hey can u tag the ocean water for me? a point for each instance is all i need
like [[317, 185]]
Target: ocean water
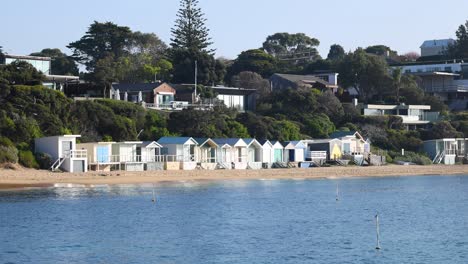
[[422, 220]]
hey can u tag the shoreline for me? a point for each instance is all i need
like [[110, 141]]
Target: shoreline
[[25, 178]]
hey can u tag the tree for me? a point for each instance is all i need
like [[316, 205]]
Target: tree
[[20, 72], [184, 67], [381, 50], [2, 56], [367, 72], [61, 64], [190, 32], [460, 49], [101, 41], [329, 104], [251, 80], [443, 129], [254, 60], [410, 56], [336, 53], [294, 47]]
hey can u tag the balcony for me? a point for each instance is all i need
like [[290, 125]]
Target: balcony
[[446, 88]]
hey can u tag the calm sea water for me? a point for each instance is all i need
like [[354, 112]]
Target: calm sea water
[[423, 220]]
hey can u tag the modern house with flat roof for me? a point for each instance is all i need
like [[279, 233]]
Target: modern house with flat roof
[[435, 47], [413, 116], [154, 95], [325, 81], [43, 64]]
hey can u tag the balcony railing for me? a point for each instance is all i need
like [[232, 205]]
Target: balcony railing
[[445, 88], [76, 154]]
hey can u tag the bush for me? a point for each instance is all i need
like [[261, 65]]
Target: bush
[[413, 157], [43, 160], [8, 154], [26, 158]]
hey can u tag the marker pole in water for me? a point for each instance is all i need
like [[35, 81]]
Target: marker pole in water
[[337, 193], [377, 227], [154, 196]]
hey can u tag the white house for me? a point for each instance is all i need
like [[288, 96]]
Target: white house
[[413, 116], [64, 153], [129, 154], [352, 142], [179, 151], [294, 151], [267, 154]]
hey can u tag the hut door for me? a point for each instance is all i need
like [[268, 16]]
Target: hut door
[[66, 147]]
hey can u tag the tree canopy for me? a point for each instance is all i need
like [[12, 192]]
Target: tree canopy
[[460, 49], [290, 46], [336, 52], [254, 60]]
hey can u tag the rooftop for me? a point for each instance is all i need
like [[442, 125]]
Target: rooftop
[[437, 43]]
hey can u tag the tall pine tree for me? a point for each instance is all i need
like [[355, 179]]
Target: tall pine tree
[[190, 32], [190, 42]]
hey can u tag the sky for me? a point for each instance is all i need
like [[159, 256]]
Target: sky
[[28, 26]]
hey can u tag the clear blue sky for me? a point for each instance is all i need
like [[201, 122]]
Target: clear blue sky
[[236, 25]]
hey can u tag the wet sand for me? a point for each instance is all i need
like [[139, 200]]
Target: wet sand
[[13, 179]]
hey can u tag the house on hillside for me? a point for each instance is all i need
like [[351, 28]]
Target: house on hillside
[[435, 47], [326, 81], [413, 116], [44, 65], [155, 95], [63, 152]]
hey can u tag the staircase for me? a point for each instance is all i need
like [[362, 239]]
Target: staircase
[[57, 164], [222, 166], [439, 157]]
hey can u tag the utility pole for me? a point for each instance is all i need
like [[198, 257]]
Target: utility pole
[[196, 76]]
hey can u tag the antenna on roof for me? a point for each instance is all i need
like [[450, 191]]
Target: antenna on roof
[[196, 75]]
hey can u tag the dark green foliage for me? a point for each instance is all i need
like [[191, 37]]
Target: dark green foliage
[[254, 60], [217, 123], [460, 49], [210, 71], [318, 126], [20, 72], [295, 47], [44, 161], [8, 154], [442, 129], [336, 53]]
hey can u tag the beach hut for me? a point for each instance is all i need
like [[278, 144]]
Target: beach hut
[[294, 151], [331, 146], [233, 151], [99, 155], [128, 153], [254, 153], [179, 152], [278, 152], [151, 155], [266, 153], [442, 150], [352, 142], [206, 153], [64, 153]]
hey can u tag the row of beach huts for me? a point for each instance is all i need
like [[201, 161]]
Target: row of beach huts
[[187, 153]]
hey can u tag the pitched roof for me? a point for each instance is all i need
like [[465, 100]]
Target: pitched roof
[[136, 86], [176, 140], [203, 141], [153, 143], [293, 144], [228, 141], [264, 141], [306, 79]]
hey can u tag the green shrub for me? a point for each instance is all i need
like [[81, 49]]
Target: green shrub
[[26, 158], [43, 160], [413, 157], [8, 154]]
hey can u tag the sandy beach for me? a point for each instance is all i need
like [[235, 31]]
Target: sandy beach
[[41, 178]]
